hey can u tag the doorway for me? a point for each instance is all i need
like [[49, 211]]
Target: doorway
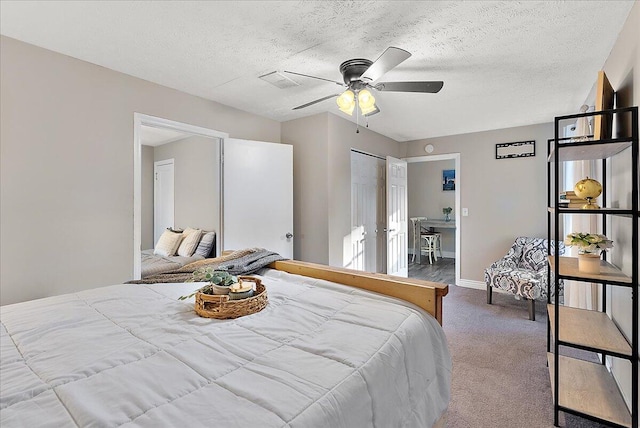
[[432, 204], [157, 139], [378, 239], [205, 208]]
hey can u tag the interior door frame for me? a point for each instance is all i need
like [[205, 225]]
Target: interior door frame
[[140, 119], [458, 210]]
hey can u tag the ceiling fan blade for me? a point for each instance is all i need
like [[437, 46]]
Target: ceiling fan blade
[[314, 77], [428, 87], [388, 60], [315, 102]]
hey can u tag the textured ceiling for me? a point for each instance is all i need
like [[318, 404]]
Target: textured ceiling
[[504, 63]]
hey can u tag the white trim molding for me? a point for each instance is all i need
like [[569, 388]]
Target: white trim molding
[[480, 285], [445, 254]]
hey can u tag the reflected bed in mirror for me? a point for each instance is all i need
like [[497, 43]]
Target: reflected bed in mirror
[[176, 249]]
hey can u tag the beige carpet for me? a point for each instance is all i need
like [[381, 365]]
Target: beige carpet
[[500, 374]]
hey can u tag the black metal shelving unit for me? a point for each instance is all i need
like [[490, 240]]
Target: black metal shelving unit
[[580, 387]]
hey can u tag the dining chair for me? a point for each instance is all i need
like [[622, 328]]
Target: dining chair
[[415, 224], [429, 246]]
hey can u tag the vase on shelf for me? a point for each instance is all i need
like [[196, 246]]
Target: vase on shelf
[[447, 213], [589, 263]]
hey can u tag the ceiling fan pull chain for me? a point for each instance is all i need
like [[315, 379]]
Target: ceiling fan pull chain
[[357, 116]]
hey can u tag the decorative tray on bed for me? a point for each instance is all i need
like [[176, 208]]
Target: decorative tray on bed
[[221, 307]]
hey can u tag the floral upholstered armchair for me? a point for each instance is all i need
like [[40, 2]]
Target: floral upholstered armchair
[[522, 271]]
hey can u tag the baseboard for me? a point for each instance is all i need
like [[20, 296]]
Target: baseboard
[[479, 285], [468, 283], [445, 254]]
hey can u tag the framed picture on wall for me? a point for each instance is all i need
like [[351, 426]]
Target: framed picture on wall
[[448, 179]]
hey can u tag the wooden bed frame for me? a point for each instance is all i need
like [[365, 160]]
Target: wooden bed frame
[[425, 294]]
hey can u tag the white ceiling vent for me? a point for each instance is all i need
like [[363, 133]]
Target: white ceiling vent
[[279, 80]]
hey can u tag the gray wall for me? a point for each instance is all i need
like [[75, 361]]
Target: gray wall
[[506, 198], [309, 137], [322, 182], [623, 70], [427, 199], [197, 181], [147, 198], [66, 166]]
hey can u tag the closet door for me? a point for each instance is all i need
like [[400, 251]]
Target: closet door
[[257, 196], [367, 213]]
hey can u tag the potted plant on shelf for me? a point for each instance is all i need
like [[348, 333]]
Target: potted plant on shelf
[[591, 246], [447, 213]]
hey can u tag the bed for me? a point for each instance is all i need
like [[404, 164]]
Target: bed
[[330, 350], [176, 248], [153, 264]]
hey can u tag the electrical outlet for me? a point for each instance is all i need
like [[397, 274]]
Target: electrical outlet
[[465, 212]]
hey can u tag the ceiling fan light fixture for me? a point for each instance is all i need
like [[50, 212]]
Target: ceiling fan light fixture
[[346, 102], [349, 109], [366, 100], [359, 76], [375, 110]]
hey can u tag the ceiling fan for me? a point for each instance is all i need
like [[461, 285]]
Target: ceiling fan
[[361, 75]]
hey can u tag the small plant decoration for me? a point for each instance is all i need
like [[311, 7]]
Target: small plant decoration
[[447, 212], [589, 243], [213, 277]]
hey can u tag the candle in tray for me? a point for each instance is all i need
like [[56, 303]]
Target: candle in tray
[[241, 290]]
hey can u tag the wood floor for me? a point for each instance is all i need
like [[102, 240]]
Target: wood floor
[[441, 271]]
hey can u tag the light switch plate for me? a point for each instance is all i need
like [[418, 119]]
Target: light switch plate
[[465, 212]]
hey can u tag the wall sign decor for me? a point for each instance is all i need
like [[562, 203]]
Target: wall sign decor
[[520, 149], [448, 179]]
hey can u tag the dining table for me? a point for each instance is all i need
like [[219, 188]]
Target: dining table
[[432, 225]]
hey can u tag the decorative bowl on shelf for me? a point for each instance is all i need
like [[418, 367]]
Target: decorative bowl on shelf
[[588, 189]]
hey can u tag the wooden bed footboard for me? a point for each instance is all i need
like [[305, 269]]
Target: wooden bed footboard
[[425, 294]]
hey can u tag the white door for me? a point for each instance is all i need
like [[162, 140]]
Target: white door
[[163, 197], [397, 258], [365, 217], [258, 196], [381, 222]]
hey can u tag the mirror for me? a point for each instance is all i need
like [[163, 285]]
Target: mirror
[[180, 188]]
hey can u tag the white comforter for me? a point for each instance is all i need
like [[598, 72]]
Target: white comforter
[[319, 355]]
